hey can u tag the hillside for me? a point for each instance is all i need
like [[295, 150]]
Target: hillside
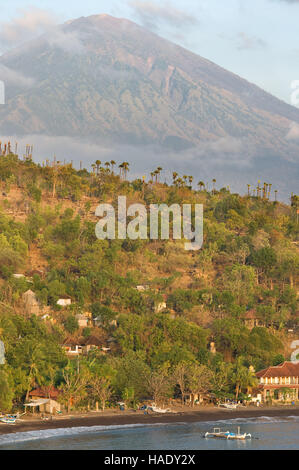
[[246, 271]]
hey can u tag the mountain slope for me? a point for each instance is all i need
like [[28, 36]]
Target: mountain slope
[[123, 83]]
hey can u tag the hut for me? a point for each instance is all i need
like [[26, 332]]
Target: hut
[[82, 320], [64, 301], [44, 400]]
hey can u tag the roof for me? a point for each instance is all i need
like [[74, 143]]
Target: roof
[[92, 341], [44, 392], [250, 314], [72, 342], [34, 403], [29, 292], [286, 369]]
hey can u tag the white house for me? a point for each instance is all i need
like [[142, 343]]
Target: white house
[[64, 301]]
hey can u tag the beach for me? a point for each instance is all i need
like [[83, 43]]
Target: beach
[[129, 417]]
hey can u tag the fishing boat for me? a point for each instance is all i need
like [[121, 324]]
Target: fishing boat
[[217, 433], [156, 409], [229, 406], [8, 420]]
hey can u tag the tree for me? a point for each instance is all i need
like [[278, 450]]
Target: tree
[[159, 383], [6, 391], [264, 259], [74, 385], [101, 388], [71, 324], [200, 380], [201, 185], [180, 375], [242, 377], [98, 164], [221, 377]]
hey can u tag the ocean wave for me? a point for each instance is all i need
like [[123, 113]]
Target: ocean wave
[[257, 419], [18, 437], [14, 438]]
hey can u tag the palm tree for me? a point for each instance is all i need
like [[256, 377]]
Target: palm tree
[[174, 177], [213, 181], [201, 185], [125, 169], [98, 163], [190, 178], [248, 188], [112, 163], [243, 377], [121, 169], [159, 169], [269, 193]]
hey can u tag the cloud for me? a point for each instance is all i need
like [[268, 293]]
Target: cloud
[[35, 22], [28, 24], [232, 161], [14, 78], [69, 41], [151, 14], [244, 41]]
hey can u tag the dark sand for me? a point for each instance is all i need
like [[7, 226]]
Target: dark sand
[[110, 418]]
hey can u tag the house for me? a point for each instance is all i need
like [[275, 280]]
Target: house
[[44, 400], [279, 383], [251, 320], [35, 272], [64, 301], [18, 276], [142, 288], [98, 322], [31, 304], [91, 343], [82, 320], [73, 347]]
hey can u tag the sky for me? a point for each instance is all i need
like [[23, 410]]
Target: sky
[[256, 39]]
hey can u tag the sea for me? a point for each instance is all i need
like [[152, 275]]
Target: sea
[[267, 434]]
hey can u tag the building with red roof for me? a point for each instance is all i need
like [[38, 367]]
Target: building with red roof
[[279, 383]]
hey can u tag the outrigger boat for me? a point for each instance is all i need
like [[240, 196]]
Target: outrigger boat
[[229, 406], [217, 433], [8, 420], [156, 409]]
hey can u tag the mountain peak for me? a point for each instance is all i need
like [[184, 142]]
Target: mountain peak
[[128, 85]]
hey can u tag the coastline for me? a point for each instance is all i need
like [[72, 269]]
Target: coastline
[[112, 418]]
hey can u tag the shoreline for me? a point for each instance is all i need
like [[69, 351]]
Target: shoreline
[[117, 418]]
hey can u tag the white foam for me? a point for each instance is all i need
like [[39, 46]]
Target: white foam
[[61, 432]]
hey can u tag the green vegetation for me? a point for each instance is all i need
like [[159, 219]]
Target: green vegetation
[[248, 268]]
